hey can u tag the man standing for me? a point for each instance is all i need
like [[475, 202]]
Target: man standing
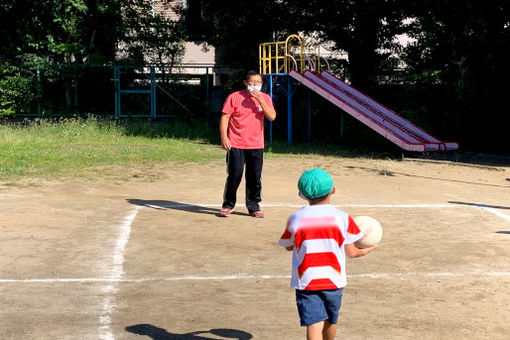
[[242, 136]]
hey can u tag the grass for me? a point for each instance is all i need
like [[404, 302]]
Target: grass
[[81, 147], [93, 148]]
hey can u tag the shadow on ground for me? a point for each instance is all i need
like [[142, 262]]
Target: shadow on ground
[[164, 205], [468, 158], [389, 173], [479, 205], [157, 333]]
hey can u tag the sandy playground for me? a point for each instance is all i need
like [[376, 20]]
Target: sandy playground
[[149, 259]]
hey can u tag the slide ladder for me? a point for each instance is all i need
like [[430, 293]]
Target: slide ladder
[[384, 121]]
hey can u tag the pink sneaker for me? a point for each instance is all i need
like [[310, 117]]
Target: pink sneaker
[[225, 212], [257, 214]]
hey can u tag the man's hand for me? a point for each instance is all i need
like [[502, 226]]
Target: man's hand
[[257, 94], [269, 112], [225, 143]]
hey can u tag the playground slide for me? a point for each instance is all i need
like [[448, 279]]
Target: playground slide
[[376, 116]]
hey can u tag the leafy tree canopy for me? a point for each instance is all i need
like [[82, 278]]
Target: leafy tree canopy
[[86, 31]]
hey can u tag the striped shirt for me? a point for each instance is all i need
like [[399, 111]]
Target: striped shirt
[[318, 234]]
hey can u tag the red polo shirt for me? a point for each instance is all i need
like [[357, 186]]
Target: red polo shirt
[[246, 124]]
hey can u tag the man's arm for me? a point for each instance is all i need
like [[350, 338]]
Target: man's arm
[[269, 112], [225, 142]]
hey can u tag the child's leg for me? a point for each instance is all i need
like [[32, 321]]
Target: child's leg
[[319, 305], [329, 331], [314, 332], [321, 331]]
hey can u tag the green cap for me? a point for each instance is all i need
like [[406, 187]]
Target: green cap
[[315, 183]]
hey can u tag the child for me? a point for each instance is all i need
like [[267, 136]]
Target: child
[[320, 236]]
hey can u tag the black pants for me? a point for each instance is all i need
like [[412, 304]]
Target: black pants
[[236, 160]]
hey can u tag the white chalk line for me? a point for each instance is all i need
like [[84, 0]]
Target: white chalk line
[[117, 271], [497, 213], [184, 205], [115, 280], [118, 258], [404, 206]]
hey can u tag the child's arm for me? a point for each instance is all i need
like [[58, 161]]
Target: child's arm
[[352, 251], [286, 240]]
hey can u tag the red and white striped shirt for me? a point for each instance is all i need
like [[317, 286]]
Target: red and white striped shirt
[[318, 234]]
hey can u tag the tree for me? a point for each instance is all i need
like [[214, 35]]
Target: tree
[[235, 29], [44, 34], [86, 31], [365, 29], [464, 48]]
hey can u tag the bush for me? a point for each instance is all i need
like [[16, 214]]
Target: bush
[[16, 95]]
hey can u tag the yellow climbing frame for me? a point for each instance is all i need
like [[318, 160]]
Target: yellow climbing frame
[[293, 53]]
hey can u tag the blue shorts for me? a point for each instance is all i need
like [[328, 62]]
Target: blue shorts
[[318, 305]]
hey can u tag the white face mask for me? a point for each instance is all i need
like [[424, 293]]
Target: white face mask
[[252, 87]]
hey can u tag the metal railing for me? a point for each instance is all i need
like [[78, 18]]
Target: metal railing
[[280, 57], [150, 91]]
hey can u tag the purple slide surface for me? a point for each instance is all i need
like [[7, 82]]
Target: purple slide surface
[[376, 116]]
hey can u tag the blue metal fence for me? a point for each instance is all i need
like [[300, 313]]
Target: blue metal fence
[[150, 91]]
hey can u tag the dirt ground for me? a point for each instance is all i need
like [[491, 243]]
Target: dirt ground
[[150, 259]]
